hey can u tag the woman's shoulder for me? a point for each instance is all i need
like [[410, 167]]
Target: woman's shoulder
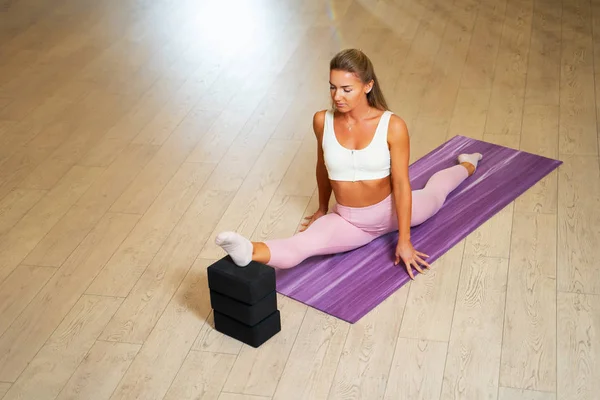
[[397, 128], [319, 121], [320, 115], [396, 124]]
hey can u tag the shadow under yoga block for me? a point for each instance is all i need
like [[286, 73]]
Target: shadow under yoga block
[[252, 335], [245, 313], [247, 284]]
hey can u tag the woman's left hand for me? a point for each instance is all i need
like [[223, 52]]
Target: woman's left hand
[[411, 257]]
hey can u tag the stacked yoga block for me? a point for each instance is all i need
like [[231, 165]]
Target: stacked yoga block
[[244, 301]]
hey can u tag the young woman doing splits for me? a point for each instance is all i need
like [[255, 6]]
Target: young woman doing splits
[[363, 156]]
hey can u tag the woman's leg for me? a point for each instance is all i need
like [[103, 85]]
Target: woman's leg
[[334, 234], [428, 201], [327, 235]]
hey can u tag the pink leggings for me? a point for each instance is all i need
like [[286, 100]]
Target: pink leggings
[[347, 228]]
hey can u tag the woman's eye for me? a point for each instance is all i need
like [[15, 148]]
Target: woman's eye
[[347, 90]]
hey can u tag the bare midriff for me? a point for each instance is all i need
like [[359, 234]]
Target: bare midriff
[[361, 193]]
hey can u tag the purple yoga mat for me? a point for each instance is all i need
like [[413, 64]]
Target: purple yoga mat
[[349, 285]]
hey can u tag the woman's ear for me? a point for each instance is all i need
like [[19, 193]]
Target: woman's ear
[[369, 86]]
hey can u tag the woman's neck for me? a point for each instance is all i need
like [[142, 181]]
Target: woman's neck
[[359, 113]]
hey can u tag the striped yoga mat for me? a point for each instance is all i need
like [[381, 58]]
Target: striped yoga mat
[[349, 285]]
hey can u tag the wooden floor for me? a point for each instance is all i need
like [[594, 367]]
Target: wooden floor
[[131, 131]]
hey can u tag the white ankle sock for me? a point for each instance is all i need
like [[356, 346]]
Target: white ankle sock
[[238, 247], [470, 158]]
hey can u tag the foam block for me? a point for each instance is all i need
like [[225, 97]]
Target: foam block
[[251, 335], [249, 284], [245, 313]]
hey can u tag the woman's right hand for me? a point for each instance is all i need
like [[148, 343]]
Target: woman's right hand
[[312, 218]]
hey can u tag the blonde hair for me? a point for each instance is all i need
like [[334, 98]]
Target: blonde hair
[[357, 62]]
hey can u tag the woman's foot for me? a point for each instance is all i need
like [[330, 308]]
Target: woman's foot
[[469, 161], [238, 247]]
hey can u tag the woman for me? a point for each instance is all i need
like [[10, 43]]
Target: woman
[[363, 156]]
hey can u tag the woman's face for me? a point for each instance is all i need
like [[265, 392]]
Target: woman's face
[[347, 90]]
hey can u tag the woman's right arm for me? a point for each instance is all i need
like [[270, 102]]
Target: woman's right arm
[[323, 182], [322, 176]]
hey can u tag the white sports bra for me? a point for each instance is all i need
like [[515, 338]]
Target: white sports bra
[[343, 164]]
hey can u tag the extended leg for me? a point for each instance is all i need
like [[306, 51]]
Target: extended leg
[[333, 234], [327, 235], [428, 201]]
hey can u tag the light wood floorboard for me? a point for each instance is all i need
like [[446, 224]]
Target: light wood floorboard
[[132, 132]]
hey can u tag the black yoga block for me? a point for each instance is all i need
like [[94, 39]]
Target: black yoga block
[[248, 284], [251, 335], [245, 313]]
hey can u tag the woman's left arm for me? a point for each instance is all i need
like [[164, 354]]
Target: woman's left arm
[[399, 143]]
